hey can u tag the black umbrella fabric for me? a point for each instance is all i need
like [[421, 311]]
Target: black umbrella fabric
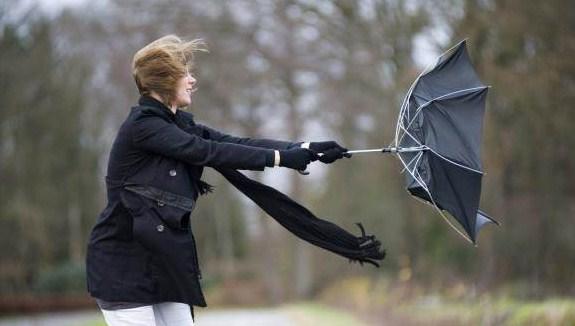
[[438, 139], [443, 115]]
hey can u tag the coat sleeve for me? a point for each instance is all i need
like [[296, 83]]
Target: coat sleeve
[[156, 135], [262, 142]]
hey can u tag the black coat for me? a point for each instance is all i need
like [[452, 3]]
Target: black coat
[[141, 248]]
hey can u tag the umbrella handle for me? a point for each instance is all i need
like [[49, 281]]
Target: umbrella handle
[[378, 150]]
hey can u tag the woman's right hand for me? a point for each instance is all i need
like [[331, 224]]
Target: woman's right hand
[[297, 158], [331, 151]]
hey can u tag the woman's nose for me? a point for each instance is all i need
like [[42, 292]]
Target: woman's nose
[[192, 81]]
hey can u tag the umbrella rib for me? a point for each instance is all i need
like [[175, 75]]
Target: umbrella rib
[[448, 50], [401, 131], [405, 102], [412, 173], [453, 162], [443, 96], [405, 132], [418, 160], [421, 183], [420, 108], [402, 111], [415, 158], [445, 218], [410, 167]]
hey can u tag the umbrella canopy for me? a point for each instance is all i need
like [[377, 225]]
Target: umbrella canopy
[[439, 129]]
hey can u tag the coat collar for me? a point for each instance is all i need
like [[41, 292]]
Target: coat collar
[[158, 106], [163, 110]]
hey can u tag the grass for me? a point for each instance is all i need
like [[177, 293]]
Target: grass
[[493, 312], [407, 304], [96, 323]]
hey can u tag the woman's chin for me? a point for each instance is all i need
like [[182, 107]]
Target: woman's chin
[[183, 104]]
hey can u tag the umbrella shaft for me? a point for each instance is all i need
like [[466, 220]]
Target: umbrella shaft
[[388, 150]]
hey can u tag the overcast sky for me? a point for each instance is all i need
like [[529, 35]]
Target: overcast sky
[[424, 51], [52, 6]]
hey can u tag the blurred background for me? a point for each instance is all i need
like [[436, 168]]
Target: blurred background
[[299, 70]]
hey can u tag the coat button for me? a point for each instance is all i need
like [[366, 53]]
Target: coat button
[[161, 203], [173, 173], [160, 228]]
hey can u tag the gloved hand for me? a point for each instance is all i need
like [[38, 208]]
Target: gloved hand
[[332, 151], [297, 158], [322, 146]]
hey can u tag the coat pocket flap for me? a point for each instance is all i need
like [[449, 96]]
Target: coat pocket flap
[[163, 197], [172, 209]]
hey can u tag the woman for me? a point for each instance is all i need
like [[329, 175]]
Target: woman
[[142, 264]]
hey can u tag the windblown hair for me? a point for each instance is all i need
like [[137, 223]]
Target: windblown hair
[[159, 65]]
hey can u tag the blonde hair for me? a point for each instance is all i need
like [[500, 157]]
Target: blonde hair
[[159, 65]]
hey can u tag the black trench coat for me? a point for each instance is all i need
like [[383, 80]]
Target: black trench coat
[[141, 248]]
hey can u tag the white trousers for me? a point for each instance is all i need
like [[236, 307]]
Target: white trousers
[[161, 314]]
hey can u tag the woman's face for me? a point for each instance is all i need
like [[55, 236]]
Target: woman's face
[[184, 90]]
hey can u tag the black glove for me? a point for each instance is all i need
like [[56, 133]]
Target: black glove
[[322, 146], [331, 150], [297, 158], [331, 155]]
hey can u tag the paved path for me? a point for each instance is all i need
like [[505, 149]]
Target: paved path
[[77, 318], [243, 317], [213, 317]]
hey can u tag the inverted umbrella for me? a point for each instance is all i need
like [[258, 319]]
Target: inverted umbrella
[[438, 139]]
